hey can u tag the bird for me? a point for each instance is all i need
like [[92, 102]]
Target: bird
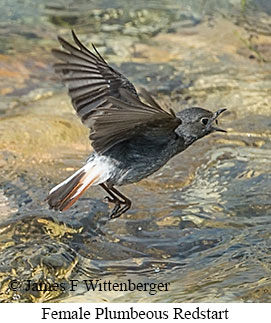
[[132, 136]]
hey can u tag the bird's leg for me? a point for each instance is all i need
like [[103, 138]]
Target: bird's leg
[[114, 198], [127, 204]]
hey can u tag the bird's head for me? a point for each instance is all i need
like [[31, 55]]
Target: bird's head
[[197, 123]]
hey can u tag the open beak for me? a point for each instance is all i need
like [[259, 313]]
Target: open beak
[[214, 119]]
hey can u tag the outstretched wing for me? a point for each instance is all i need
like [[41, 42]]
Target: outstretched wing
[[129, 118], [105, 99], [90, 80]]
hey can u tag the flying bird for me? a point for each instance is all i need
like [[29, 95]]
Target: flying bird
[[131, 139]]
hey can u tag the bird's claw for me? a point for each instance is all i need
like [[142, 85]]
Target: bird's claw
[[109, 199], [114, 213], [118, 211], [119, 208]]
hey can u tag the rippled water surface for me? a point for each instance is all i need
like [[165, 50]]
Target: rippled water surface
[[201, 223]]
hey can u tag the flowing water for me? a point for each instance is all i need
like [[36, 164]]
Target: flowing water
[[202, 223]]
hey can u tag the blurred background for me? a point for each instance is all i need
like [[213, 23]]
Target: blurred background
[[202, 222]]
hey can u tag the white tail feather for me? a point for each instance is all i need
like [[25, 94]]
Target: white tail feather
[[94, 172]]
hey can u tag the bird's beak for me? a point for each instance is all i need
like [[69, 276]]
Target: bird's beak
[[214, 119]]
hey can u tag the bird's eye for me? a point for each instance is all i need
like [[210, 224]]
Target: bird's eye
[[204, 121]]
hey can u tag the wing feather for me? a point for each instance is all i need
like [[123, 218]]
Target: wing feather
[[88, 77], [105, 100], [123, 120]]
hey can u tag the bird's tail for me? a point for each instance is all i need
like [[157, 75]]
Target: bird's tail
[[65, 194]]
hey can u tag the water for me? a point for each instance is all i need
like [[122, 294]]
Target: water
[[201, 223]]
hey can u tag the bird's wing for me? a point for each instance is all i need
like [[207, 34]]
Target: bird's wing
[[90, 80], [105, 99], [129, 118]]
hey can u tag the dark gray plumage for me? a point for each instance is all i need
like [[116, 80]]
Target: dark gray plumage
[[131, 139]]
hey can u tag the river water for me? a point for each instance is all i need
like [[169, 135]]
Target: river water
[[202, 223]]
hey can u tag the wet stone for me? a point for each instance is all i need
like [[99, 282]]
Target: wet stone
[[202, 222]]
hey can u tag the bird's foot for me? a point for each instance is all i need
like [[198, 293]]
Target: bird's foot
[[117, 207], [109, 199], [118, 211], [121, 202], [115, 211]]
